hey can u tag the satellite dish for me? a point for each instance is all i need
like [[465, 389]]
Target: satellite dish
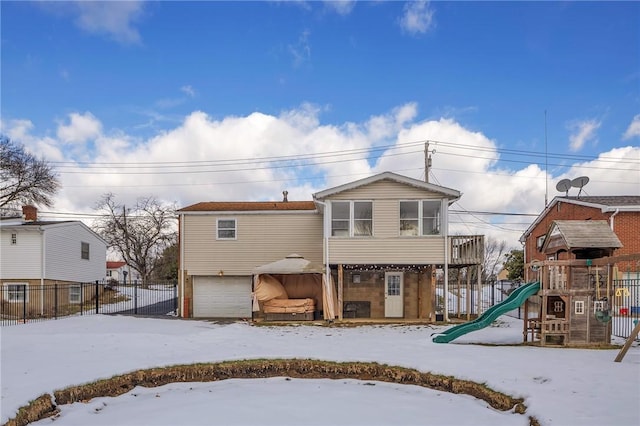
[[563, 186], [580, 182]]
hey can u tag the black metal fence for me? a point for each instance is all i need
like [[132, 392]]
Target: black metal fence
[[24, 303]]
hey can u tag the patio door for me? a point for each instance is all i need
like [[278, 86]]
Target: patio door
[[393, 300]]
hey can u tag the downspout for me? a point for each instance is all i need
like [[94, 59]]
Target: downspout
[[446, 269], [611, 218], [181, 241], [325, 232]]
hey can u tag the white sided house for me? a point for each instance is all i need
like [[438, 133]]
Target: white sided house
[[366, 249], [35, 253]]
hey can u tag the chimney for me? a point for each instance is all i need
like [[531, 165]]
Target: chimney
[[284, 196], [29, 213]]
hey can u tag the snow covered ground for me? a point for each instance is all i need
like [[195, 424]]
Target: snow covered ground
[[139, 297], [560, 386]]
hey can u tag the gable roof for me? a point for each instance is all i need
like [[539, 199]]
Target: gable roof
[[452, 194], [241, 206], [43, 225], [583, 234], [605, 203]]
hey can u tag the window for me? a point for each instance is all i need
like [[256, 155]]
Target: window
[[362, 218], [226, 229], [340, 213], [75, 294], [420, 217], [431, 217], [351, 218], [84, 251], [109, 273], [18, 292], [14, 239], [579, 307], [540, 241]]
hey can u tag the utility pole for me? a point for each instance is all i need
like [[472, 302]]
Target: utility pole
[[427, 161]]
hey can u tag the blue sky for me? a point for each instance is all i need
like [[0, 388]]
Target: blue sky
[[92, 85]]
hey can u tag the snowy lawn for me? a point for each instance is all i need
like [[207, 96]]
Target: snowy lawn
[[560, 386]]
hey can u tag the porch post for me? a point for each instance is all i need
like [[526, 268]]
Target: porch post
[[479, 291], [340, 290]]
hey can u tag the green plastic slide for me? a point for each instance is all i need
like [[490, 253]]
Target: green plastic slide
[[515, 299]]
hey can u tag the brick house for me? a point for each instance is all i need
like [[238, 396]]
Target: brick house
[[622, 213]]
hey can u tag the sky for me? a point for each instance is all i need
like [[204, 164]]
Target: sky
[[560, 386], [238, 101]]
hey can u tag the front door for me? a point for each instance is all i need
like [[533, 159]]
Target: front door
[[393, 303]]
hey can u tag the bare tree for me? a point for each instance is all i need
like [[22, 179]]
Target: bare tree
[[24, 179], [494, 251], [139, 233]]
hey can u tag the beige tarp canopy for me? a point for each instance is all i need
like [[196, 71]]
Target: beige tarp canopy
[[300, 279]]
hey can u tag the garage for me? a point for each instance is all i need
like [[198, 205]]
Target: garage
[[222, 297]]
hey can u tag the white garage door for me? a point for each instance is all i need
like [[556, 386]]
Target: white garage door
[[222, 297]]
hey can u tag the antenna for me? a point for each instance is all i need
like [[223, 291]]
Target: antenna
[[546, 161], [580, 182], [563, 186]]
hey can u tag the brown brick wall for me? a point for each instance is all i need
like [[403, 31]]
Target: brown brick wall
[[416, 291], [626, 227]]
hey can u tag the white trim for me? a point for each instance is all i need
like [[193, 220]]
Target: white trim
[[74, 286], [351, 219], [451, 193], [5, 292], [235, 229], [246, 212], [421, 217]]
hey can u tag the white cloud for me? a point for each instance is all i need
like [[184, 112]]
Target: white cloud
[[581, 133], [112, 18], [417, 17], [81, 128], [341, 7], [633, 131], [188, 90], [301, 50], [242, 158]]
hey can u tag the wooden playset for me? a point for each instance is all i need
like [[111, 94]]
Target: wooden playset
[[574, 304]]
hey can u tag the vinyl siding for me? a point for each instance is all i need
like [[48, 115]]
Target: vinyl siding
[[386, 246], [405, 250], [22, 260], [385, 189], [260, 238], [63, 260]]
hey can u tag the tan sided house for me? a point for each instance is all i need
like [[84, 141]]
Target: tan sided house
[[378, 239]]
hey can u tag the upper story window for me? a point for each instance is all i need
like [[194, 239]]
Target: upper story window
[[420, 217], [84, 251], [226, 229], [351, 218], [540, 241], [14, 239]]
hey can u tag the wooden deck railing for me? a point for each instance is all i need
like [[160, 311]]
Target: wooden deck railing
[[466, 249]]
